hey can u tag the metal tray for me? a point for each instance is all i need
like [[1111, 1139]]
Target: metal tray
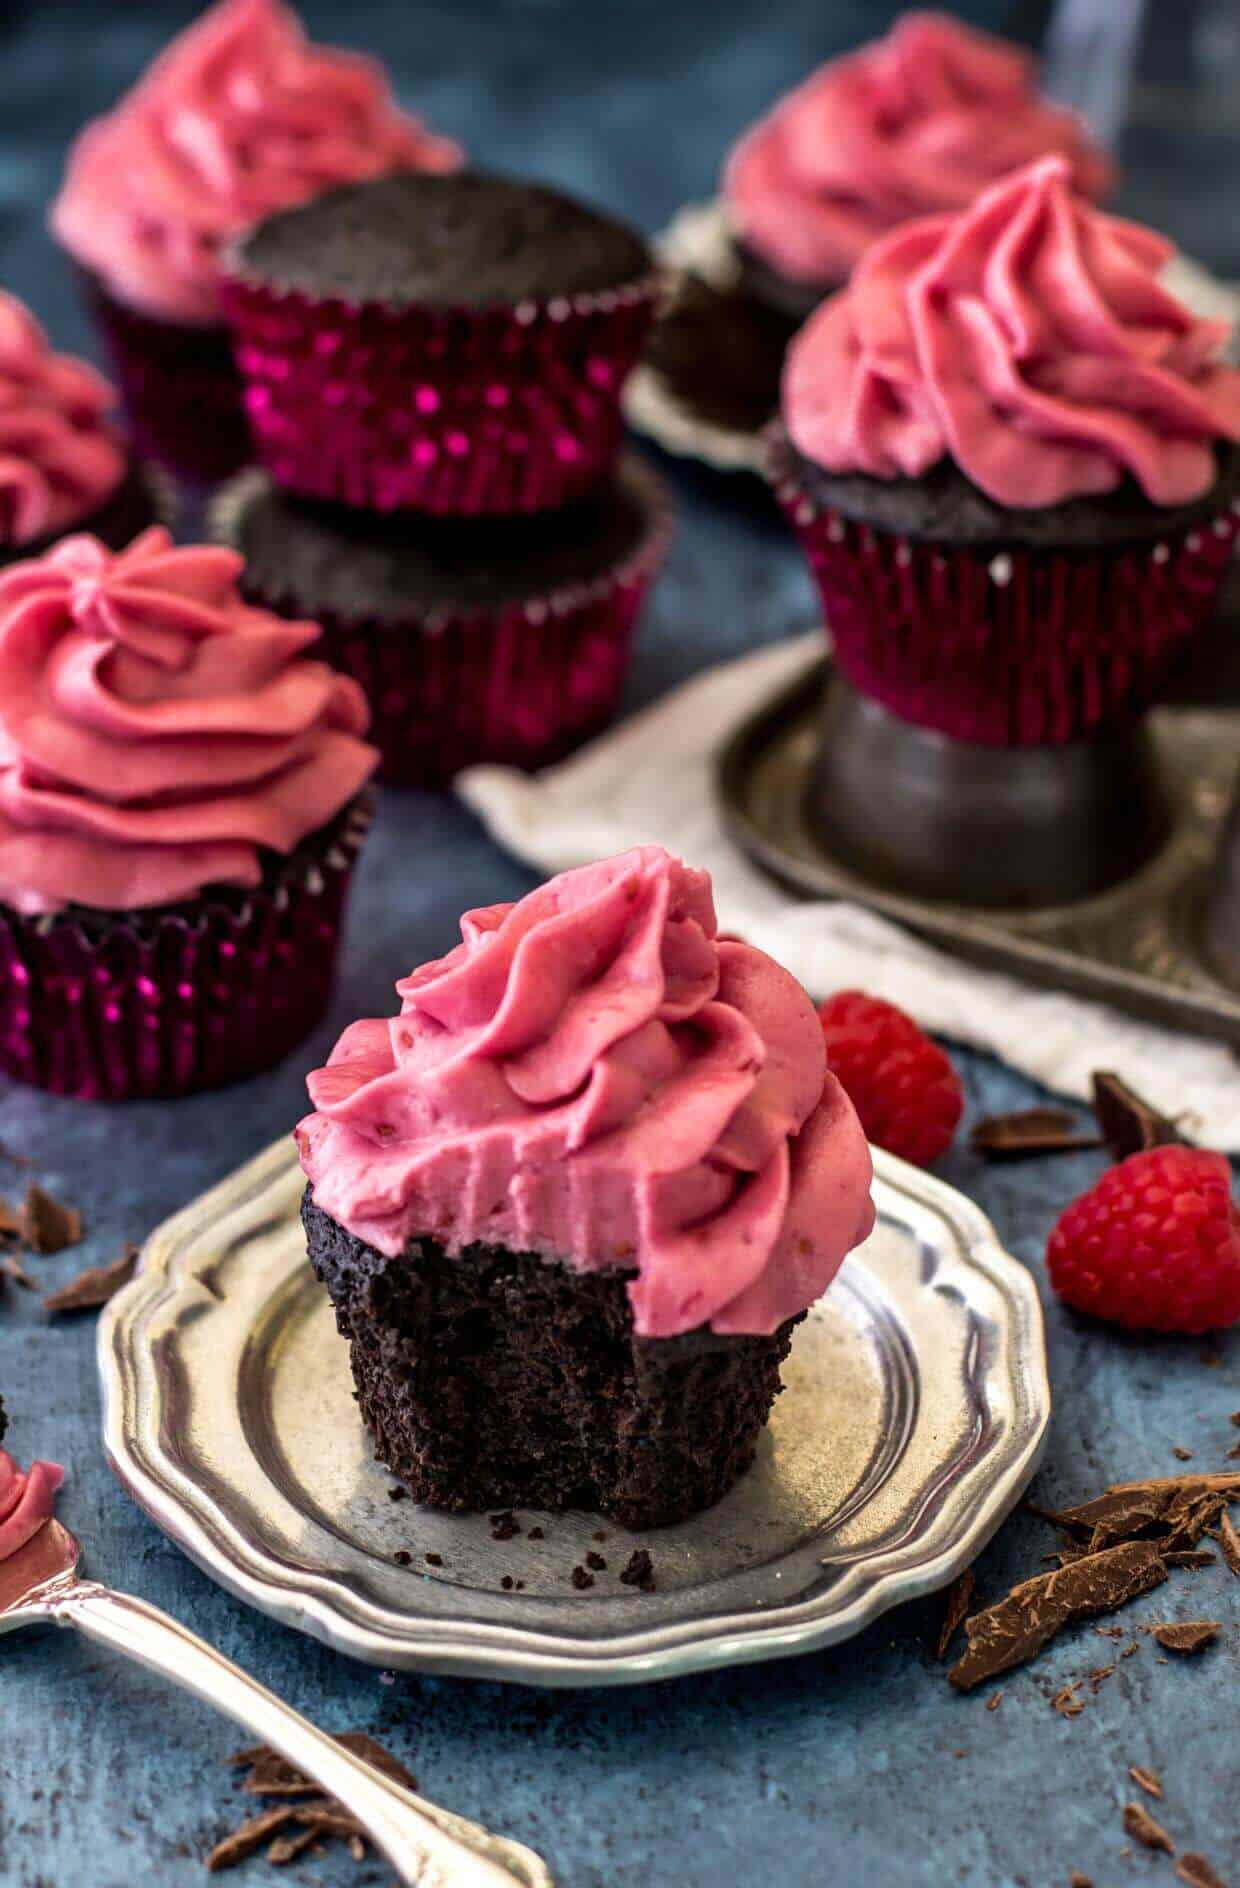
[[915, 1411], [1137, 945]]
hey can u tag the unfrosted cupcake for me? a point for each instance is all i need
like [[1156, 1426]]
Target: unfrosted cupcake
[[181, 802], [63, 466], [571, 1201], [911, 125], [239, 117], [455, 345], [1011, 457]]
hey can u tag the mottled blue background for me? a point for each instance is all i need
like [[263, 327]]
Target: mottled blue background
[[858, 1765]]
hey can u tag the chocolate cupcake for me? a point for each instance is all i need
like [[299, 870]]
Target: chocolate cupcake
[[63, 467], [182, 797], [239, 117], [570, 1203], [449, 344], [500, 640], [1011, 456]]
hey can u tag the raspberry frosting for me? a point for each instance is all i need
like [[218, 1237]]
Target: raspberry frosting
[[1031, 341], [27, 1500], [915, 123], [595, 1075], [59, 459], [241, 116], [156, 733]]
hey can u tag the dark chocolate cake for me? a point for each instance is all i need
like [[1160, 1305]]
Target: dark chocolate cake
[[720, 355]]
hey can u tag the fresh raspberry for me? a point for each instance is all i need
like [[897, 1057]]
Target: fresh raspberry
[[1155, 1245], [902, 1085]]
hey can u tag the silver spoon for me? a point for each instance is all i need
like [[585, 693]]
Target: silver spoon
[[429, 1847]]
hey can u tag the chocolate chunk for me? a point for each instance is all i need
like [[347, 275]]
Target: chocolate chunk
[[1145, 1780], [581, 1579], [434, 1560], [1016, 1628], [1229, 1541], [1129, 1123], [94, 1286], [1140, 1825], [1174, 1506], [595, 1562], [1197, 1872], [1188, 1635], [249, 1838], [959, 1599], [639, 1571], [47, 1224], [1029, 1131]]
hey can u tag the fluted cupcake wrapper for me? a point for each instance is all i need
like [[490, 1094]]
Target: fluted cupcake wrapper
[[113, 1007], [180, 386], [1020, 647], [454, 411], [518, 683]]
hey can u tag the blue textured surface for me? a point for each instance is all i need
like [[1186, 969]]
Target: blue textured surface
[[859, 1765]]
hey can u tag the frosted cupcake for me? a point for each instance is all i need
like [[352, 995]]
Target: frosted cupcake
[[181, 803], [571, 1201], [63, 466], [239, 117], [1011, 456]]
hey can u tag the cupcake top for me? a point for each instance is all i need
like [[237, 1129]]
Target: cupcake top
[[239, 117], [59, 458], [157, 735], [465, 241], [1027, 340], [915, 123], [27, 1500], [595, 1075]]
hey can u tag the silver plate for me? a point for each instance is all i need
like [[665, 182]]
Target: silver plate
[[916, 1407]]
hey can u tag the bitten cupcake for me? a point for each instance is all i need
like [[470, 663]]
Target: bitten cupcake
[[570, 1203], [502, 640], [1011, 457], [239, 117], [914, 124], [448, 344], [181, 803], [63, 466]]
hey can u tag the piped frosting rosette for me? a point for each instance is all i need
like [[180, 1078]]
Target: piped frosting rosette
[[179, 785], [1023, 362], [594, 1075]]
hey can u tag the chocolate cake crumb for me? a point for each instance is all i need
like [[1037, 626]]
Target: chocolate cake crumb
[[1229, 1541], [595, 1562], [434, 1560], [402, 1557], [959, 1599], [1145, 1780], [507, 1583], [47, 1224], [1034, 1612], [1129, 1123], [1029, 1131], [536, 1534], [505, 1526], [599, 1534], [93, 1287], [639, 1571], [1197, 1872], [397, 1493], [581, 1579], [1188, 1636], [1140, 1825]]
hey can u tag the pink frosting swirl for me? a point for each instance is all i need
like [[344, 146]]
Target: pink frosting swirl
[[240, 117], [27, 1500], [594, 1075], [913, 124], [156, 733], [1030, 340], [59, 459]]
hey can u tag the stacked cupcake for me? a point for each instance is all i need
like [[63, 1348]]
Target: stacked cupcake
[[433, 367]]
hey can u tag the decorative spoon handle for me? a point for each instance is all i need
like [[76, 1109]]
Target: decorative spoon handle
[[428, 1846]]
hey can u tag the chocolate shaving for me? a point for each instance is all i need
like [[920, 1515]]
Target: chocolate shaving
[[1129, 1123], [1077, 1880], [1067, 1703], [994, 1701], [287, 1848], [1030, 1131], [1229, 1541], [1175, 1506], [1016, 1628], [1197, 1872], [249, 1838], [1235, 1418], [47, 1224], [1140, 1825], [959, 1599], [1145, 1780], [1182, 1455], [12, 1267], [1188, 1636], [10, 1224], [94, 1286], [273, 1775], [1194, 1557]]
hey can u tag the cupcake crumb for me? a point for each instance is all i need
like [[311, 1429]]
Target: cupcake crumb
[[434, 1560], [595, 1562]]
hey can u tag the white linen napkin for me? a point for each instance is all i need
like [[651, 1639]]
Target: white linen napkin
[[651, 780]]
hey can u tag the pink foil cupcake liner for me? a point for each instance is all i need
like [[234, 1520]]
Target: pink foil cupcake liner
[[519, 684], [454, 411], [130, 1005], [1021, 647], [181, 389]]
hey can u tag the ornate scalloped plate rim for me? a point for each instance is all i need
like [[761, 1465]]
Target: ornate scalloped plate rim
[[323, 1606]]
